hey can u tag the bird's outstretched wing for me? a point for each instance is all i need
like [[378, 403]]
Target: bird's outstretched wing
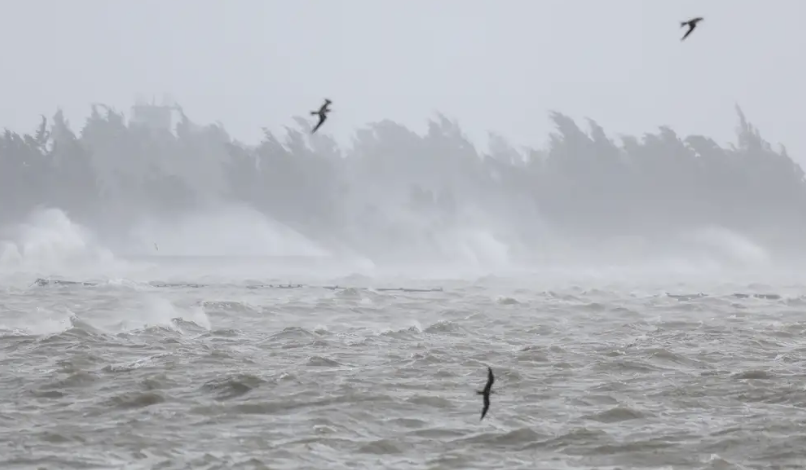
[[322, 118], [688, 32], [487, 391], [486, 406], [324, 107]]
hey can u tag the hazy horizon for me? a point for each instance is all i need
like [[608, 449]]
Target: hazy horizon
[[424, 202]]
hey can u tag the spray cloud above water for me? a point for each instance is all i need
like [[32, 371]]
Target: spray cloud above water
[[141, 186]]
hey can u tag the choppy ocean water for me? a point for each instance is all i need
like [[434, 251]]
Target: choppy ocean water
[[291, 372]]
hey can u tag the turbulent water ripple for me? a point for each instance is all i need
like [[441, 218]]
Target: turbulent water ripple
[[236, 376]]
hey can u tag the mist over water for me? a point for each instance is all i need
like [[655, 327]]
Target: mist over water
[[175, 299], [144, 187], [49, 244]]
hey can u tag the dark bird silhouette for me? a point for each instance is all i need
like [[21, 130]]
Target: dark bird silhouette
[[322, 113], [692, 23], [488, 389]]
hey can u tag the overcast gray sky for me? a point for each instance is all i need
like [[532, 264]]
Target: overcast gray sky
[[495, 65]]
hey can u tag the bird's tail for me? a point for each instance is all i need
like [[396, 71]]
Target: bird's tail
[[683, 23], [314, 113]]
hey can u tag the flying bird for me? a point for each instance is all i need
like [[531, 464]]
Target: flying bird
[[322, 113], [692, 23], [487, 391]]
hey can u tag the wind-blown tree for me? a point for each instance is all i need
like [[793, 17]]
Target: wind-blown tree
[[73, 179], [393, 185]]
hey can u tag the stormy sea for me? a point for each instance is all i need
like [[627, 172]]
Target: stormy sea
[[159, 361]]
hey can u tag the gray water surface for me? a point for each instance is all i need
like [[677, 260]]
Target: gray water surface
[[135, 375]]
